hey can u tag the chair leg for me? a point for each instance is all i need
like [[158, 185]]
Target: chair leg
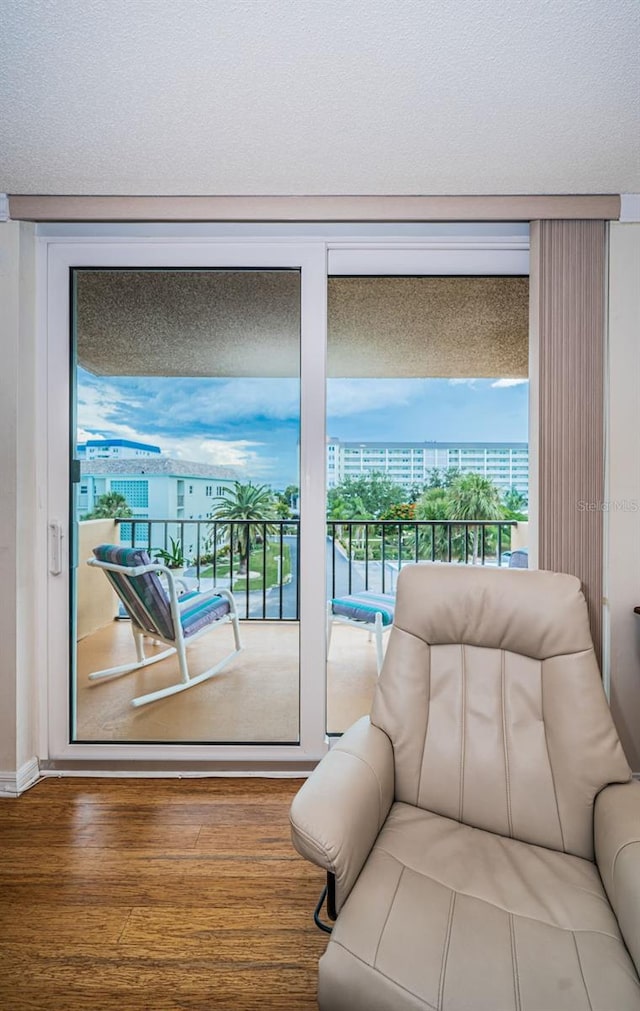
[[233, 614], [186, 681], [182, 686], [138, 639], [236, 632], [328, 893], [182, 661], [128, 668]]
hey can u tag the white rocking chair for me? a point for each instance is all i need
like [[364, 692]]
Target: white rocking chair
[[164, 616]]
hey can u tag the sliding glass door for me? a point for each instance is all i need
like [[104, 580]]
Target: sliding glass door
[[193, 434], [193, 421], [427, 439]]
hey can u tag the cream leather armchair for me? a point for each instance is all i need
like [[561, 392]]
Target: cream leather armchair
[[480, 830]]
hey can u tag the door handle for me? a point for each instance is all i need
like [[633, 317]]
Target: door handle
[[55, 547]]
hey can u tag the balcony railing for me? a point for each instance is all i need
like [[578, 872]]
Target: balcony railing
[[374, 551], [265, 576]]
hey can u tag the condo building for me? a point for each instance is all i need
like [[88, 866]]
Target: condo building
[[409, 463], [154, 486]]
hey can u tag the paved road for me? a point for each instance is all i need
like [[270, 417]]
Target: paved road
[[289, 590], [257, 608]]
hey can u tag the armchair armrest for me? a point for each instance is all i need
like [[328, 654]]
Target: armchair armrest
[[338, 813], [617, 846]]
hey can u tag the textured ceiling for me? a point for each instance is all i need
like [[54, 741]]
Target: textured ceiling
[[319, 96], [247, 323]]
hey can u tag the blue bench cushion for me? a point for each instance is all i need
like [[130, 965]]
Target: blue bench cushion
[[363, 606], [200, 609]]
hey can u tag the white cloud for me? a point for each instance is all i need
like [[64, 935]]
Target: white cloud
[[97, 408], [100, 407], [504, 383], [353, 396], [232, 400], [237, 453], [82, 435]]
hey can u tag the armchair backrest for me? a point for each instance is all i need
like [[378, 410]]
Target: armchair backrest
[[143, 596], [491, 695]]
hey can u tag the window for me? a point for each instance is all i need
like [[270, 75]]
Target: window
[[135, 492]]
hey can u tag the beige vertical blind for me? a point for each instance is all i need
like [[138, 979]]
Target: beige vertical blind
[[567, 311]]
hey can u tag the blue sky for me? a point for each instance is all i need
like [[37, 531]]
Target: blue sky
[[252, 424]]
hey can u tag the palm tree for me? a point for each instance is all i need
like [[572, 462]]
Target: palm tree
[[250, 506], [433, 505], [474, 497], [111, 505], [515, 501]]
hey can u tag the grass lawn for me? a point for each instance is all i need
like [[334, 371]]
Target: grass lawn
[[256, 560]]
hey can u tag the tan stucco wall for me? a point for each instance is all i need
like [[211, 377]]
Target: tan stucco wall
[[97, 603], [520, 536]]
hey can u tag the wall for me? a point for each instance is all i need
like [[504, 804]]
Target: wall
[[97, 602], [520, 536], [621, 508], [22, 572], [23, 566]]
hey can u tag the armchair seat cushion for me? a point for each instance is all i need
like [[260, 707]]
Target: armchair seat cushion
[[446, 916]]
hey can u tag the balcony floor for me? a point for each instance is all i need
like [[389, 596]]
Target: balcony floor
[[254, 699]]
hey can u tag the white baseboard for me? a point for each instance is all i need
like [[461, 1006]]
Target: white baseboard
[[12, 784]]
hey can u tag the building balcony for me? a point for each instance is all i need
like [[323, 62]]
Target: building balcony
[[256, 698]]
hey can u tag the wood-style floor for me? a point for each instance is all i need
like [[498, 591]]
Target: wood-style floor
[[155, 895]]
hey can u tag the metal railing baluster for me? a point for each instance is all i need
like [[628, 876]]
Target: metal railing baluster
[[358, 535]]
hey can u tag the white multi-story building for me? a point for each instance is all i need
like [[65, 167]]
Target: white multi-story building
[[409, 463], [156, 487], [115, 449]]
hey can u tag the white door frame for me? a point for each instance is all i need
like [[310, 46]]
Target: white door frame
[[316, 257], [310, 258]]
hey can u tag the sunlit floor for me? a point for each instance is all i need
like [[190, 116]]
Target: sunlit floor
[[255, 699]]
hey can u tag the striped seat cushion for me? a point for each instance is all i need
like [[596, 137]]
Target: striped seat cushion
[[200, 609], [143, 596], [363, 606]]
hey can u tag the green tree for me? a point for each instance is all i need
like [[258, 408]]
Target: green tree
[[474, 497], [252, 503], [281, 508], [437, 478], [286, 501], [515, 501], [292, 493], [338, 508], [414, 493], [433, 505], [111, 505], [365, 497], [404, 511]]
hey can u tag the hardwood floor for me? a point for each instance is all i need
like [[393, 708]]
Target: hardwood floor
[[162, 895]]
